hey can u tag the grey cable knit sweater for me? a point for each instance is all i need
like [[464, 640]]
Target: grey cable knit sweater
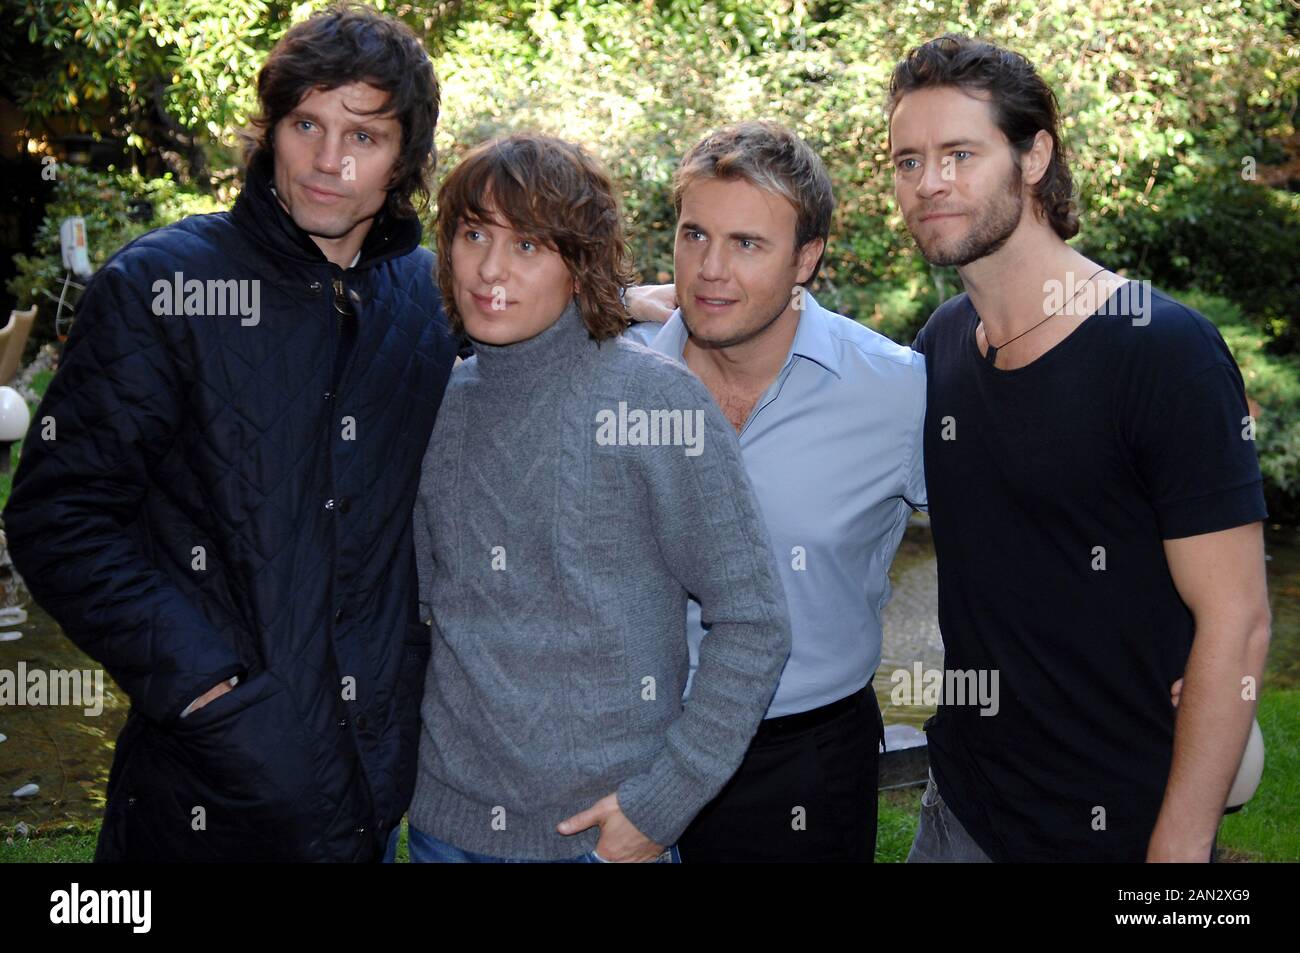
[[556, 545]]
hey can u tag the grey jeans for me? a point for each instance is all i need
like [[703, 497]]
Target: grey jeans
[[940, 838]]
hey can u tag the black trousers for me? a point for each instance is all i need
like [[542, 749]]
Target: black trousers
[[805, 792]]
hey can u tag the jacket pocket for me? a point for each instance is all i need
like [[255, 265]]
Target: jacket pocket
[[234, 780]]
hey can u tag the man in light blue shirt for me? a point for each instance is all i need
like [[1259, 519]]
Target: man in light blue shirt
[[829, 415]]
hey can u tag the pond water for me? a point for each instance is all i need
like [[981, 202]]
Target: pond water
[[67, 753], [60, 748]]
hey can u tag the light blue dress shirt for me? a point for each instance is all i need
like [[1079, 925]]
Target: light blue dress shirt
[[833, 449]]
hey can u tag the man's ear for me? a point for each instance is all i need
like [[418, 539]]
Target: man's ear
[[1034, 163], [809, 255]]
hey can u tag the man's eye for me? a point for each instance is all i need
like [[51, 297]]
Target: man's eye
[[472, 234], [305, 122], [365, 136], [747, 244], [694, 235], [960, 153], [526, 245], [905, 165]]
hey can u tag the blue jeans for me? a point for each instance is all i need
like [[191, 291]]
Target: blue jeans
[[425, 849], [390, 852]]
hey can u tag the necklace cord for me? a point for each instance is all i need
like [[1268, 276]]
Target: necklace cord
[[993, 350]]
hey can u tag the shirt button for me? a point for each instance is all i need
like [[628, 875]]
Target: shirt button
[[338, 616], [361, 830], [329, 395], [329, 504], [345, 505], [343, 722], [314, 287]]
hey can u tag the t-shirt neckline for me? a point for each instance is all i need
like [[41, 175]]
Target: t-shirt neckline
[[1050, 354]]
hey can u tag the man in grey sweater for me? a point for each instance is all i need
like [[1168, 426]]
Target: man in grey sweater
[[577, 488]]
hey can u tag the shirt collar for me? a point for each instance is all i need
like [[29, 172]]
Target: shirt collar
[[812, 338]]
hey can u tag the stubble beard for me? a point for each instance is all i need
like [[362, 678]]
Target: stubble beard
[[997, 222]]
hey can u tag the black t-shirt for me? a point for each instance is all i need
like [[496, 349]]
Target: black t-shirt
[[1051, 487]]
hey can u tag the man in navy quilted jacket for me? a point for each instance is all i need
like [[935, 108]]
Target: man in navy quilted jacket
[[214, 500]]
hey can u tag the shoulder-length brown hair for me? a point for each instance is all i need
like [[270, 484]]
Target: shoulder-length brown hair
[[344, 44], [553, 193], [1023, 104]]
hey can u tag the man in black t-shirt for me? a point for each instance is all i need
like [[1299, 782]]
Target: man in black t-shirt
[[1095, 500]]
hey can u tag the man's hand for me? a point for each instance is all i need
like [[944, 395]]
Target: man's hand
[[216, 691], [651, 302], [1176, 692], [620, 841]]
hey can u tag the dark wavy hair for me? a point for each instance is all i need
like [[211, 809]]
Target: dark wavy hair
[[1022, 105], [553, 193], [770, 157], [350, 43]]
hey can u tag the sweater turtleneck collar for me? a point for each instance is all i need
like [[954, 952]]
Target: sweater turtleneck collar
[[566, 339]]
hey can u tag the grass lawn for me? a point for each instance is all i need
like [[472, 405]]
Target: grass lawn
[[896, 818], [1268, 827]]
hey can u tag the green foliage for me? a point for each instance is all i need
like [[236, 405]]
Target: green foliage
[[1219, 234], [1274, 382], [103, 199], [1162, 104], [897, 310], [1168, 108], [158, 71]]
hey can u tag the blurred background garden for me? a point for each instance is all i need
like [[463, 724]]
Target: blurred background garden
[[1180, 120]]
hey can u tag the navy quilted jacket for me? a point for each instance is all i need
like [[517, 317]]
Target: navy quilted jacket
[[223, 496]]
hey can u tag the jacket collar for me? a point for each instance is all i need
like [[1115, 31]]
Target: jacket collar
[[259, 214]]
